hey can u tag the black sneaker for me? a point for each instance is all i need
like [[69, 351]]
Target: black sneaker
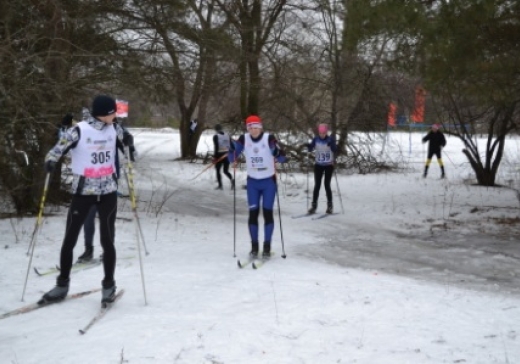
[[86, 256], [58, 293]]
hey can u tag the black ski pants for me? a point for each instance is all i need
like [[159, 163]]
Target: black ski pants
[[78, 211], [319, 171], [223, 163]]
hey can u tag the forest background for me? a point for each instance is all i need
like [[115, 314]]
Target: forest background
[[295, 63]]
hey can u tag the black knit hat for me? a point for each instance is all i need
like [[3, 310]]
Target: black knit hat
[[218, 127], [103, 105]]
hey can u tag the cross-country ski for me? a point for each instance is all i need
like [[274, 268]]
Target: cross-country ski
[[105, 307], [38, 305], [76, 267]]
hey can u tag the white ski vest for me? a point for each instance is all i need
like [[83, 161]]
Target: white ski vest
[[94, 155], [224, 142], [259, 159], [323, 154]]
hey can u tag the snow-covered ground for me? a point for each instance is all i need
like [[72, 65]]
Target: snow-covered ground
[[411, 270]]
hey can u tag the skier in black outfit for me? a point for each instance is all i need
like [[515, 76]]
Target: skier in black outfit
[[222, 145], [324, 147], [92, 144], [437, 141]]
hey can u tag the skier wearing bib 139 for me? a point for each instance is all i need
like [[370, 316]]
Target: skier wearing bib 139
[[261, 150], [324, 147]]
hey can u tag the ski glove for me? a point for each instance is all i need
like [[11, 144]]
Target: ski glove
[[67, 120], [50, 166], [133, 154]]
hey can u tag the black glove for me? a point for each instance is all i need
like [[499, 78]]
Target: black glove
[[67, 120], [128, 139], [133, 153], [50, 166]]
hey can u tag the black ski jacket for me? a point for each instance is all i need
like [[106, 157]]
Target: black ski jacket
[[436, 139]]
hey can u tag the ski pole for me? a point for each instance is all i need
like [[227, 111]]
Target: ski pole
[[38, 221], [447, 156], [36, 230], [280, 219], [279, 211], [234, 205], [308, 168], [339, 191], [138, 231], [130, 181], [209, 166]]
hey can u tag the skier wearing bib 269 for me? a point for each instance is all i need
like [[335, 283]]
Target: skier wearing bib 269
[[92, 145], [260, 149], [222, 145], [324, 147]]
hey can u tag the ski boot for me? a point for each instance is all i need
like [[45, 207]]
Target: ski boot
[[425, 172], [108, 293], [58, 293], [254, 249], [87, 255], [313, 208], [219, 187], [330, 209], [267, 250]]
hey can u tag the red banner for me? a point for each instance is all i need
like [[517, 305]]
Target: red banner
[[418, 111], [122, 109], [392, 110]]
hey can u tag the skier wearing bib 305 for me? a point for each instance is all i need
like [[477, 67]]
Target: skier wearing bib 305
[[324, 147], [260, 149], [92, 144]]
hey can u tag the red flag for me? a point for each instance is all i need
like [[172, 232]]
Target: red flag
[[122, 109], [392, 110], [418, 111]]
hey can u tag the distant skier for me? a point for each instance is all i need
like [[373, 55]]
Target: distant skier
[[193, 128], [324, 147], [222, 145], [437, 141], [260, 149]]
